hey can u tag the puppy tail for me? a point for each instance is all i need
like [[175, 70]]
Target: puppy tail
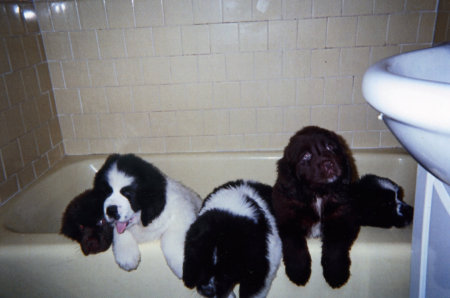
[[198, 252]]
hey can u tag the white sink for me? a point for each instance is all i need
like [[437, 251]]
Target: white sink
[[412, 92]]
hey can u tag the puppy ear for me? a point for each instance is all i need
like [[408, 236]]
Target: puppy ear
[[287, 179], [152, 204]]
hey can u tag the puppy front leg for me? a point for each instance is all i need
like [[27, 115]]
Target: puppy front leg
[[126, 250], [296, 258]]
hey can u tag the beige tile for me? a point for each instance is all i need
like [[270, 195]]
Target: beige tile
[[195, 39], [190, 123], [31, 24], [371, 30], [230, 143], [217, 122], [45, 83], [388, 6], [373, 121], [352, 117], [111, 43], [56, 75], [84, 45], [312, 33], [297, 9], [163, 124], [295, 119], [4, 138], [426, 27], [254, 94], [226, 95], [43, 139], [207, 11], [28, 148], [26, 176], [12, 160], [224, 38], [156, 70], [403, 28], [76, 147], [211, 68], [310, 91], [44, 108], [129, 72], [282, 92], [354, 60], [92, 14], [268, 65], [57, 46], [4, 104], [136, 125], [146, 98], [64, 16], [4, 61], [325, 116], [66, 125], [297, 64], [421, 5], [341, 32], [99, 146], [120, 13], [183, 69], [379, 53], [55, 134], [239, 66], [14, 122], [139, 42], [86, 126], [55, 155], [199, 96], [67, 101], [257, 142], [148, 13], [15, 87], [178, 144], [267, 10], [43, 15], [167, 41], [237, 10], [76, 74], [31, 47], [366, 139], [93, 100], [357, 7], [32, 86], [127, 145], [243, 121], [357, 92], [173, 97], [178, 12], [30, 117], [253, 36], [325, 62], [16, 23], [327, 8], [338, 90], [102, 73], [119, 99], [153, 145], [16, 52], [8, 189], [442, 23], [269, 120], [204, 143], [282, 35], [111, 126], [387, 139]]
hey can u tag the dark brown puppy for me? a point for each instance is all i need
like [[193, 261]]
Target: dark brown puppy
[[311, 199], [83, 221]]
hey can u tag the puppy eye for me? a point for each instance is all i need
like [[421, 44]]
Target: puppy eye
[[307, 156], [127, 192], [329, 147]]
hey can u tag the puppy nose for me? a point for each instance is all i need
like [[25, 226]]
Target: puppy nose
[[207, 290], [328, 165], [112, 212]]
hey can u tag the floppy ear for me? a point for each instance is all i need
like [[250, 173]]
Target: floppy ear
[[287, 177], [350, 169], [152, 203]]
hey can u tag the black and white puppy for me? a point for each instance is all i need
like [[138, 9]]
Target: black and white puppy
[[233, 241], [144, 205], [379, 202]]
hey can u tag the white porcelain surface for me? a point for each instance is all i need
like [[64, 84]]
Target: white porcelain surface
[[412, 91]]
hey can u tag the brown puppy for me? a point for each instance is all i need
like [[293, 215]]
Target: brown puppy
[[311, 199], [83, 221]]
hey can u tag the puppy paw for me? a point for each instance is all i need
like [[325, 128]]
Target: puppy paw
[[126, 251], [336, 274], [298, 273]]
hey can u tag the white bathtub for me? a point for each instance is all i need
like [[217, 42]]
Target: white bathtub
[[35, 261]]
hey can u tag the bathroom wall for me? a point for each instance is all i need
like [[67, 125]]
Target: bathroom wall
[[218, 75], [30, 136], [442, 31]]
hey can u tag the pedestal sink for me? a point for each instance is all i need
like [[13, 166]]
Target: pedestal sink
[[412, 93]]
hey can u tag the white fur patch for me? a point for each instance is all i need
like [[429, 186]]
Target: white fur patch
[[316, 231], [118, 180]]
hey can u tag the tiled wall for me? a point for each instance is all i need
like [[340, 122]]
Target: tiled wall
[[30, 137], [217, 75], [442, 31]]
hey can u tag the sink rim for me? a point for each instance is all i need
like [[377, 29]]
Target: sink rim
[[401, 97]]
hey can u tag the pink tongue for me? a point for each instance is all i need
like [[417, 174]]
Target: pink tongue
[[121, 226]]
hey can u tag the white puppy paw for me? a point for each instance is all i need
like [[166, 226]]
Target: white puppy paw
[[126, 251]]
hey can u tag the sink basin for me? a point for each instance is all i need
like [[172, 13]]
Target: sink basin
[[412, 93]]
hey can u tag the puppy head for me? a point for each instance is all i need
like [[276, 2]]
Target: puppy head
[[380, 203], [318, 157], [83, 222]]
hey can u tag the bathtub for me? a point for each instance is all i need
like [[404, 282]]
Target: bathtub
[[35, 261]]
